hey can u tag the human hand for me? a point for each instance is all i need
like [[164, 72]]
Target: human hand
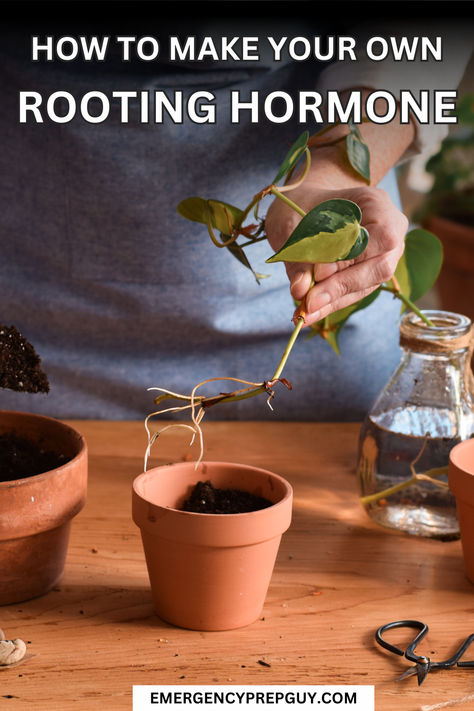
[[340, 284]]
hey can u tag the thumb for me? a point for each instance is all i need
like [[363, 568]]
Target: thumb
[[300, 276]]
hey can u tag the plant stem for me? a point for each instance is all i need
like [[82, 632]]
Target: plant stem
[[372, 498], [288, 348], [256, 199], [253, 241], [408, 303], [289, 202], [291, 186], [276, 375]]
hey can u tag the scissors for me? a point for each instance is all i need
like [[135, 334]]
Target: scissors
[[423, 664]]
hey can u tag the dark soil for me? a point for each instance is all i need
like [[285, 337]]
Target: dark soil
[[206, 499], [20, 364], [21, 458]]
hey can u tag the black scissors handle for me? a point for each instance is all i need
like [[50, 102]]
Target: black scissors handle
[[422, 664], [409, 653]]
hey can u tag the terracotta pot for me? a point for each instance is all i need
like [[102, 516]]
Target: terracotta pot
[[36, 512], [461, 483], [209, 571], [456, 280]]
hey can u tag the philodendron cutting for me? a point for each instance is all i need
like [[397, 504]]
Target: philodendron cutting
[[330, 232]]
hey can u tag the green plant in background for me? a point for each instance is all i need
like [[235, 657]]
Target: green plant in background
[[452, 193], [330, 232]]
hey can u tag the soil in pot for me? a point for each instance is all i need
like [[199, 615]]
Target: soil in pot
[[21, 458], [36, 511], [207, 499]]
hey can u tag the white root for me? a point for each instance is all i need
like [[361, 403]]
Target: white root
[[11, 650], [197, 414], [421, 476], [432, 480], [153, 437]]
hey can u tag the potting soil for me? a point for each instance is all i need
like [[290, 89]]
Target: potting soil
[[20, 364], [205, 498], [21, 458]]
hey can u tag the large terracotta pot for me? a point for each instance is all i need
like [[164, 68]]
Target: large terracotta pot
[[36, 512], [456, 280], [209, 571], [461, 483]]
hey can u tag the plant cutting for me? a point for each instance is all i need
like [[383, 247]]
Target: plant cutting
[[330, 232], [43, 480], [185, 550]]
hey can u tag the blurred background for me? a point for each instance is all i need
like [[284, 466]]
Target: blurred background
[[437, 192]]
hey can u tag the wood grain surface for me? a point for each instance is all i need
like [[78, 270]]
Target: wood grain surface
[[337, 578]]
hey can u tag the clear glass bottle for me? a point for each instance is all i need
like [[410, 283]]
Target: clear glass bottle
[[425, 409]]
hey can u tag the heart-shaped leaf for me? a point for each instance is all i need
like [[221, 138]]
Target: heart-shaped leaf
[[222, 216], [358, 152], [420, 263], [326, 234], [293, 156]]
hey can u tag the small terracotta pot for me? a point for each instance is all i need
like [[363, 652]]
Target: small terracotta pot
[[461, 483], [36, 512], [209, 571]]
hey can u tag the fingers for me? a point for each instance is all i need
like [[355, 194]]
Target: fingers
[[345, 287], [300, 276], [342, 303], [324, 270], [386, 225]]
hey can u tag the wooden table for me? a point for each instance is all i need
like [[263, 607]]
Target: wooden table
[[338, 577]]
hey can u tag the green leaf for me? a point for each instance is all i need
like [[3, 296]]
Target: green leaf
[[220, 213], [224, 217], [360, 245], [420, 263], [237, 252], [402, 276], [465, 110], [330, 327], [354, 129], [293, 156], [358, 152], [194, 209], [326, 234]]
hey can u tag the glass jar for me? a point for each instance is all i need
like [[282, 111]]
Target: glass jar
[[424, 410]]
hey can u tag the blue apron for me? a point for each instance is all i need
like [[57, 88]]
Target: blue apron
[[118, 293]]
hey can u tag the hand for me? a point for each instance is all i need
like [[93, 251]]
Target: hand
[[340, 284]]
